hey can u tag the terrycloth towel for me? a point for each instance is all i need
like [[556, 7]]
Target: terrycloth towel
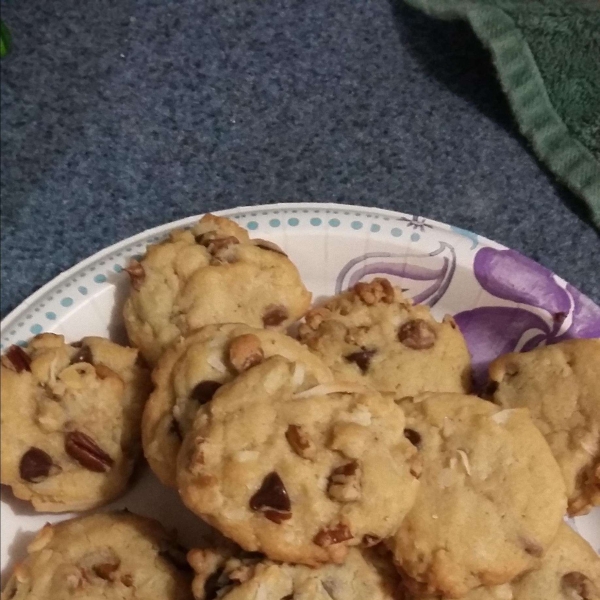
[[547, 54]]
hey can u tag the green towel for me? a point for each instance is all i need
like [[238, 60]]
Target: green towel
[[547, 54]]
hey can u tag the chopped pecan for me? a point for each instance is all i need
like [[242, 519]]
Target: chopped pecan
[[86, 452], [266, 245], [17, 359], [274, 315], [333, 535], [245, 351], [136, 272], [345, 483], [300, 442], [417, 334], [578, 585], [378, 290]]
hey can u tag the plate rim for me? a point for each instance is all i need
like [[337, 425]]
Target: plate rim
[[41, 291], [22, 307]]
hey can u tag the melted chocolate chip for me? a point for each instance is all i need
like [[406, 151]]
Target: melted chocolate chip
[[35, 465], [272, 499], [414, 437], [362, 358]]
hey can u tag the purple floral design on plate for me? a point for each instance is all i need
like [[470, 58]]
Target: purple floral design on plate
[[551, 312], [424, 277]]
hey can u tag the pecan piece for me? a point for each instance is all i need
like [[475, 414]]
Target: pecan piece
[[272, 499], [362, 358], [333, 535], [86, 452], [17, 359], [344, 483], [417, 334], [136, 272], [274, 315], [36, 465], [379, 289], [245, 351], [204, 391], [575, 585], [300, 442], [106, 570], [266, 245]]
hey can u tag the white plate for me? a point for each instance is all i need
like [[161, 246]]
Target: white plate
[[501, 300]]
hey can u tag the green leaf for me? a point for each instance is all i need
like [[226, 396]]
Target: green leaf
[[5, 41]]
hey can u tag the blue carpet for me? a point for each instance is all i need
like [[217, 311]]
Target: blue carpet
[[119, 116]]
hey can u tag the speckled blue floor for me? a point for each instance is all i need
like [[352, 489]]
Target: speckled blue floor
[[119, 116]]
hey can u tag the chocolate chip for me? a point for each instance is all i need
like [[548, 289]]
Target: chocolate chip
[[362, 358], [18, 358], [204, 391], [274, 315], [35, 465], [272, 499], [417, 334], [333, 535], [137, 275], [86, 452], [84, 355], [577, 583], [414, 437]]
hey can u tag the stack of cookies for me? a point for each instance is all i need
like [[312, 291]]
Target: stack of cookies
[[350, 461]]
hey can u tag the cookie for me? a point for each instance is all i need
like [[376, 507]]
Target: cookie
[[110, 556], [374, 335], [212, 273], [299, 474], [560, 385], [570, 570], [189, 373], [243, 576], [491, 497], [71, 417]]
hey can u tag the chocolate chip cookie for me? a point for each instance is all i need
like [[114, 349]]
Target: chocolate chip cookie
[[491, 497], [560, 385], [244, 576], [570, 570], [212, 273], [71, 418], [299, 474], [374, 335], [110, 556], [189, 373]]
